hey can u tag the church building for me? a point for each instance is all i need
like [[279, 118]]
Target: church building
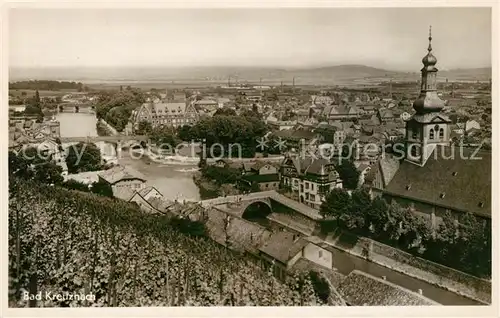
[[435, 176]]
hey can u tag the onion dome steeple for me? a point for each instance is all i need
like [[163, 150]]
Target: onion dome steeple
[[428, 101], [429, 60]]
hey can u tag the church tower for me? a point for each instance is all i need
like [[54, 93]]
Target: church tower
[[428, 127]]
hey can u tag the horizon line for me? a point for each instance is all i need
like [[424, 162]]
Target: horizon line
[[282, 67]]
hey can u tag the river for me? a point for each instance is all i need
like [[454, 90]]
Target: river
[[171, 180], [173, 183]]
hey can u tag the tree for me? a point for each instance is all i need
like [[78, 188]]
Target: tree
[[36, 100], [102, 188], [75, 185], [376, 215], [336, 206], [320, 285], [185, 133], [225, 111], [230, 130], [49, 173], [165, 136], [360, 202], [472, 242], [18, 166], [349, 174], [90, 158], [145, 128]]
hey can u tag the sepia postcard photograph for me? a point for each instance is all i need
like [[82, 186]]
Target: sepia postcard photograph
[[243, 156]]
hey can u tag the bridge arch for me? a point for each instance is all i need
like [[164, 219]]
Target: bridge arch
[[256, 209]]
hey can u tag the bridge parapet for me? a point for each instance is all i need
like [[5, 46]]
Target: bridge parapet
[[241, 203]]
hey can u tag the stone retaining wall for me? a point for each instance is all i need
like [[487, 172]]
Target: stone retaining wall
[[449, 278], [433, 273]]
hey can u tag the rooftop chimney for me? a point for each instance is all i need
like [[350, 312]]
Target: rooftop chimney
[[384, 278], [420, 291]]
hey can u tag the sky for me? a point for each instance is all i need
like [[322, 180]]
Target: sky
[[390, 38]]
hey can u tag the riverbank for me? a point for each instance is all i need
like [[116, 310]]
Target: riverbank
[[110, 129], [438, 275], [209, 189]]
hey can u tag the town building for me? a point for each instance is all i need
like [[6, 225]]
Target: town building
[[435, 176], [283, 249], [28, 131], [207, 105], [16, 109], [145, 199], [264, 174], [124, 181], [165, 113], [309, 179]]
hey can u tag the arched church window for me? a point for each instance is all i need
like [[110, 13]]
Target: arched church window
[[414, 151], [414, 134], [431, 134], [441, 133]]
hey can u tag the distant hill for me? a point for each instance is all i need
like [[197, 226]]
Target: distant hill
[[479, 74], [321, 75]]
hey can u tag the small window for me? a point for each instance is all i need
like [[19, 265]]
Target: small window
[[441, 133], [481, 204], [408, 187], [454, 173], [414, 151], [431, 134], [442, 195]]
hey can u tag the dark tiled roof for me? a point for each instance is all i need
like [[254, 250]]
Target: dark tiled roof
[[118, 173], [261, 177], [465, 183], [241, 234], [310, 165], [145, 191], [282, 246], [361, 289]]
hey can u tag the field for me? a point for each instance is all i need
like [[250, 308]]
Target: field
[[31, 92]]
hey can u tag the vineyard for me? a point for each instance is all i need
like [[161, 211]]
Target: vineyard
[[68, 241]]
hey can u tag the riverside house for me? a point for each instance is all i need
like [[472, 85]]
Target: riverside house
[[309, 178], [124, 181]]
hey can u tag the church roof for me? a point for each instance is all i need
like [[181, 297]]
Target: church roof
[[461, 183], [430, 117]]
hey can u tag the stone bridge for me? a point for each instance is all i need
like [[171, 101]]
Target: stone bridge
[[239, 203], [75, 108]]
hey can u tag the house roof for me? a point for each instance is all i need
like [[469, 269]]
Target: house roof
[[385, 113], [160, 203], [261, 177], [124, 193], [282, 246], [206, 102], [362, 289], [448, 181], [430, 117], [310, 165], [118, 173], [241, 234], [145, 191]]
